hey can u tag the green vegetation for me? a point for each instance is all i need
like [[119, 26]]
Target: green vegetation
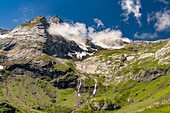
[[133, 95], [57, 65], [1, 57], [23, 93], [36, 21], [71, 65], [60, 67], [37, 95], [30, 24]]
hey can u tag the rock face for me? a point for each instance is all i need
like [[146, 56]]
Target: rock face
[[55, 19], [151, 74], [103, 105], [4, 31]]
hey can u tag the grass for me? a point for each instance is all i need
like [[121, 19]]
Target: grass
[[140, 95], [36, 21], [32, 94], [60, 67], [56, 64], [1, 57], [46, 58]]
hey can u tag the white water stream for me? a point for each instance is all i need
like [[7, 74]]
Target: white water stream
[[80, 83], [95, 87], [79, 94]]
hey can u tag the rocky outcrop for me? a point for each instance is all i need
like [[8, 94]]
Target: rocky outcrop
[[103, 105], [151, 74], [67, 81], [55, 19], [4, 31]]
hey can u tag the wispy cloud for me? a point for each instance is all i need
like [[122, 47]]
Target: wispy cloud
[[163, 1], [48, 17], [99, 22], [132, 6], [79, 32], [25, 14], [145, 36], [162, 19]]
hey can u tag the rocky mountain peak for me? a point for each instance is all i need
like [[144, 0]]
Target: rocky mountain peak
[[36, 32], [55, 19], [39, 20]]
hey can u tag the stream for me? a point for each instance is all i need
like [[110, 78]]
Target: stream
[[80, 83], [95, 87], [79, 94]]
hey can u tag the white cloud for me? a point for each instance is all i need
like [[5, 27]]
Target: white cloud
[[163, 1], [48, 17], [132, 6], [163, 20], [151, 17], [20, 20], [99, 22], [79, 32], [145, 35], [15, 20], [75, 32], [25, 14]]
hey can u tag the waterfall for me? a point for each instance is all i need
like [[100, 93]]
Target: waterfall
[[80, 82], [78, 91], [95, 87]]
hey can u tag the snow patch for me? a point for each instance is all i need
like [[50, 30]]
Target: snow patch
[[3, 36], [1, 67], [83, 46], [80, 55]]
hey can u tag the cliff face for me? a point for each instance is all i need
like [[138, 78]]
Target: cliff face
[[4, 31], [40, 72]]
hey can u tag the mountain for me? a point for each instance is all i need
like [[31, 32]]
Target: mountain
[[41, 72], [35, 32]]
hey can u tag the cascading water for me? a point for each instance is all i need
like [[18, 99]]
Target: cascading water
[[80, 83], [95, 87], [79, 94]]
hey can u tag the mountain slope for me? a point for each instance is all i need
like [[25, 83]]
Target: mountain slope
[[132, 79], [40, 72]]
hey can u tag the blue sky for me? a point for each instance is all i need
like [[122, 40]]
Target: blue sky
[[136, 19]]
